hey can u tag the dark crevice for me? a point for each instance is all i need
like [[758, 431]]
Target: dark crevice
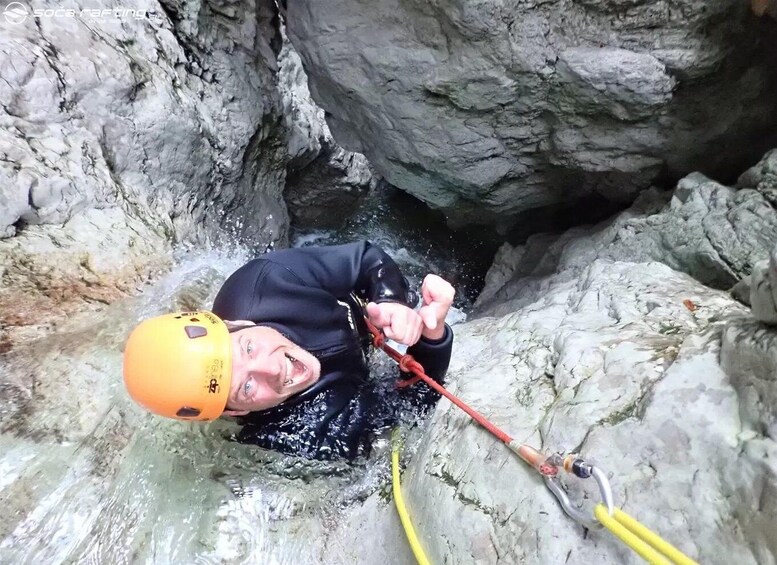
[[558, 218], [19, 226], [464, 256], [170, 12], [192, 58], [52, 57], [140, 79]]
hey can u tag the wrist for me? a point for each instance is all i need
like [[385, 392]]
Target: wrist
[[436, 334]]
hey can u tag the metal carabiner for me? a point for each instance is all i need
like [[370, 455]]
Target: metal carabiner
[[604, 488], [588, 521], [554, 484]]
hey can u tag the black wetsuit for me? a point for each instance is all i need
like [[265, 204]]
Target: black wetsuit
[[310, 296]]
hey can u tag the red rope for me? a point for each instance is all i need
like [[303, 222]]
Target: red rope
[[409, 365]]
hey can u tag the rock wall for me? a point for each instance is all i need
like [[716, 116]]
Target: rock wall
[[124, 135], [157, 114], [120, 138], [591, 345], [487, 109], [713, 232], [324, 182], [748, 353]]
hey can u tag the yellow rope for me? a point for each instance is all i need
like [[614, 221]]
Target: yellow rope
[[412, 538], [647, 544]]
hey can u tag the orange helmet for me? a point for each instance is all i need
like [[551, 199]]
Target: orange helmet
[[180, 365]]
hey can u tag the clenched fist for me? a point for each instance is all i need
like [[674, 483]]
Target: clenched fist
[[405, 325], [437, 296]]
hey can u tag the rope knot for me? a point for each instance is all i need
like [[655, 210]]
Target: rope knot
[[378, 340], [408, 364]]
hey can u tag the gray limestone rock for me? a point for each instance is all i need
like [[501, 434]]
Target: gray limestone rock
[[614, 364], [506, 261], [712, 232], [169, 117], [749, 357], [763, 290], [324, 182], [763, 280], [487, 109], [584, 342], [48, 273], [741, 290], [122, 136]]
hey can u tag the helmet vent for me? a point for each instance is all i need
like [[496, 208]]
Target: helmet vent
[[195, 331], [188, 412]]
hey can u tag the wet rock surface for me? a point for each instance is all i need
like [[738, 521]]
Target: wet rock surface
[[619, 340], [122, 136], [586, 343], [324, 182], [125, 136]]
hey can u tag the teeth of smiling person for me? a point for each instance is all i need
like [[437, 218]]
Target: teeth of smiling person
[[289, 371]]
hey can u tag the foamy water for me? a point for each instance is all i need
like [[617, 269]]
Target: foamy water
[[86, 476]]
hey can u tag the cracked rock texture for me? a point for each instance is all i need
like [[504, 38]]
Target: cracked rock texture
[[487, 109], [595, 342], [713, 232], [763, 289], [616, 364], [166, 117], [749, 357], [121, 136]]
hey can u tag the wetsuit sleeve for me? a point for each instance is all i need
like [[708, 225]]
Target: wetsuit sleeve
[[360, 267], [434, 356]]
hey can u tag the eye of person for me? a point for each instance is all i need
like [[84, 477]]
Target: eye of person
[[249, 347], [248, 386]]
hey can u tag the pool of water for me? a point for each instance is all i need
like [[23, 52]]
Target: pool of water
[[417, 238]]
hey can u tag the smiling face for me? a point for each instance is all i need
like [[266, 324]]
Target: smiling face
[[267, 369]]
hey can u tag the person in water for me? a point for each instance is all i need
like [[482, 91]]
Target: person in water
[[285, 346]]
